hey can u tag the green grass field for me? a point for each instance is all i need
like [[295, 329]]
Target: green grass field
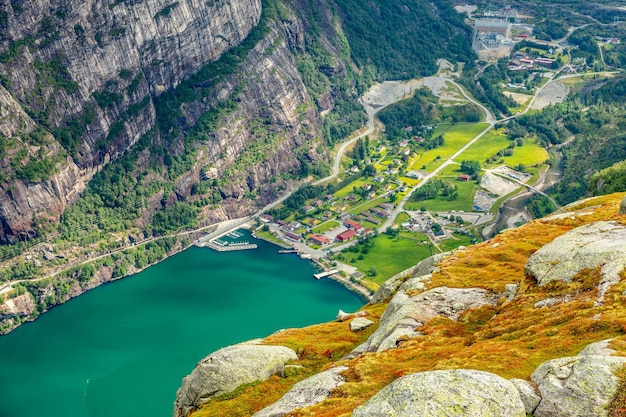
[[325, 227], [350, 187], [454, 139], [490, 144], [401, 218], [390, 255], [455, 242], [528, 154], [465, 200]]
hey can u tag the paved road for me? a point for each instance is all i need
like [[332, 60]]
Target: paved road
[[489, 118]]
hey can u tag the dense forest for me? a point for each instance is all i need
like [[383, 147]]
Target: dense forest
[[403, 39]]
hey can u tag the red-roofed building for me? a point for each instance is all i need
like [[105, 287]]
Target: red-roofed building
[[464, 177], [345, 236], [351, 224], [319, 239]]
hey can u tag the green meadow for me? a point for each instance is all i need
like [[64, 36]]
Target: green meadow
[[454, 138]]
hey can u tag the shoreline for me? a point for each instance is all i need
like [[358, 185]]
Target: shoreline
[[104, 275], [362, 292]]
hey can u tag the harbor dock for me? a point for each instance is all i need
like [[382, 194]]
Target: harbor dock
[[284, 251], [325, 274]]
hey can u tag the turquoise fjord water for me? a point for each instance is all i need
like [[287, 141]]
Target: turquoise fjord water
[[123, 348]]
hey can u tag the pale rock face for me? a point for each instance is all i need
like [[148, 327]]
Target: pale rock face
[[360, 323], [599, 244], [21, 200], [578, 386], [622, 206], [228, 368], [404, 315], [462, 392], [20, 306], [306, 393], [527, 394]]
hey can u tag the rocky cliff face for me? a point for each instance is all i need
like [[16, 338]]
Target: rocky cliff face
[[88, 72]]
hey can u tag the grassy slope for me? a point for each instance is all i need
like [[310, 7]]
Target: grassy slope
[[493, 339], [393, 255], [454, 139]]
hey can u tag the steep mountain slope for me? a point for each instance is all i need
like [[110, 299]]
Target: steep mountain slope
[[88, 72], [508, 306]]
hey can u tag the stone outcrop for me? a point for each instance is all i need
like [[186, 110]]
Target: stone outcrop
[[461, 392], [622, 206], [360, 323], [343, 316], [228, 368], [578, 386], [596, 245], [305, 393], [405, 314], [18, 307], [527, 394]]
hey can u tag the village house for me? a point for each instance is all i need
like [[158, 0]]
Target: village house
[[293, 237], [308, 208], [266, 218], [294, 225], [351, 224], [464, 177], [345, 236], [379, 212], [319, 239]]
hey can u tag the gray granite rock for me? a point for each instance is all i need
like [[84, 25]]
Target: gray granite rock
[[599, 244], [360, 323], [404, 315], [228, 368], [306, 393], [527, 394], [461, 392], [579, 386]]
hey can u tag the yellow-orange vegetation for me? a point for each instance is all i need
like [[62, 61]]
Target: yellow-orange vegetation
[[316, 346], [510, 340]]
